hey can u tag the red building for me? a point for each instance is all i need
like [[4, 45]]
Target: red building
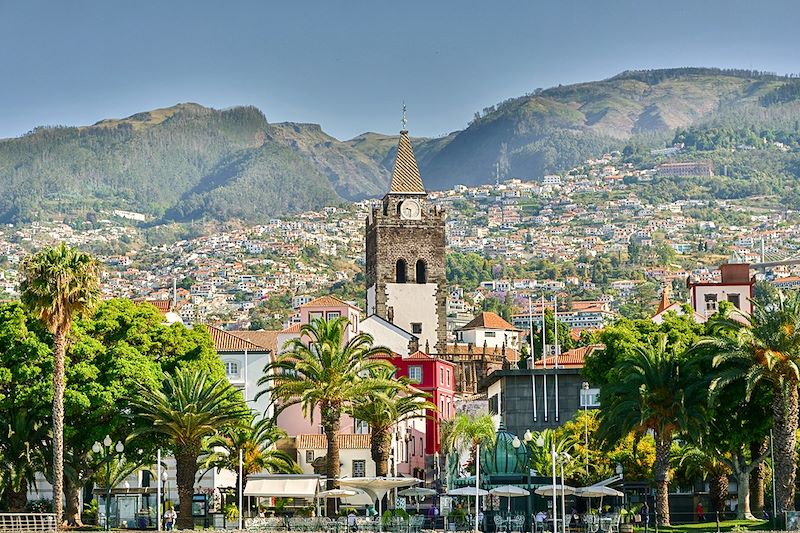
[[435, 377]]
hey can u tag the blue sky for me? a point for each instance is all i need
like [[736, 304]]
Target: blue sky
[[348, 64]]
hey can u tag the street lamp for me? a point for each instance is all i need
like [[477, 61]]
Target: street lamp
[[586, 422], [105, 446]]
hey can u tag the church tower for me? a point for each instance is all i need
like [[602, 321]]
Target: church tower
[[406, 282]]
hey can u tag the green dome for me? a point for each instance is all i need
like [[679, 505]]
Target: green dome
[[504, 457]]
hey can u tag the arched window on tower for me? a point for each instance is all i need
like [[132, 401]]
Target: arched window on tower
[[400, 274], [422, 274]]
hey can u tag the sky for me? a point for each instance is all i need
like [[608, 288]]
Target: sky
[[349, 64]]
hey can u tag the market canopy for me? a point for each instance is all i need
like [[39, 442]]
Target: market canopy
[[282, 486]]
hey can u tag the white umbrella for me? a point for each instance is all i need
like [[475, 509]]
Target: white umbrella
[[420, 492], [377, 487], [509, 491], [548, 490], [467, 491], [598, 491], [336, 493]]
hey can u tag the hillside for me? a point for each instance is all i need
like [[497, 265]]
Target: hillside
[[181, 163], [557, 128]]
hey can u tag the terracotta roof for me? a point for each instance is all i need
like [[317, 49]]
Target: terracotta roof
[[162, 305], [224, 341], [419, 354], [294, 328], [347, 441], [571, 358], [327, 301], [266, 339], [488, 320], [405, 176], [664, 303]]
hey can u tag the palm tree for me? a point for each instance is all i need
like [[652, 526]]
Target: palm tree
[[653, 390], [767, 350], [21, 441], [468, 431], [711, 465], [319, 370], [384, 408], [256, 440], [58, 285], [187, 409], [541, 458]]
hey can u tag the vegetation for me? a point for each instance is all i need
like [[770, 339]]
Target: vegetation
[[187, 409], [58, 285], [326, 375]]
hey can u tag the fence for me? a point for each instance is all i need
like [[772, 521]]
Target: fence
[[27, 522]]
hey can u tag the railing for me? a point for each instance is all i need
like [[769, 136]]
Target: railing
[[27, 522]]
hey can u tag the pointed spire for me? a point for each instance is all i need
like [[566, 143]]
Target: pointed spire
[[405, 175]]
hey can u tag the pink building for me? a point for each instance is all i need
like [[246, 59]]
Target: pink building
[[736, 287]]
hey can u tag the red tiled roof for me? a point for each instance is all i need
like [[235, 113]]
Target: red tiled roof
[[419, 354], [327, 301], [294, 328], [574, 358], [161, 305], [265, 339], [224, 341], [488, 320], [350, 441]]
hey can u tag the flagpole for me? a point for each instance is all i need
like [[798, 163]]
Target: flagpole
[[158, 489], [532, 357], [477, 481], [241, 489], [544, 358]]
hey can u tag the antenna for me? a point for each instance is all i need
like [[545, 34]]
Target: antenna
[[404, 121]]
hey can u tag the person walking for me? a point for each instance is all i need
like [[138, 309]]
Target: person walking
[[645, 515], [701, 513], [169, 518]]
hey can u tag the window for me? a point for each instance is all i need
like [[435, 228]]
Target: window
[[489, 334], [333, 314], [448, 378], [400, 271], [590, 398], [413, 446], [415, 373], [493, 405], [422, 275], [735, 300], [416, 328], [359, 468], [361, 427], [313, 315], [441, 376], [711, 302], [309, 456], [232, 369]]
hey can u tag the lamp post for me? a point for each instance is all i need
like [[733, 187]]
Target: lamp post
[[619, 471], [528, 437], [585, 387], [108, 455]]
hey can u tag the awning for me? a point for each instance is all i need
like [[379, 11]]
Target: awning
[[283, 486]]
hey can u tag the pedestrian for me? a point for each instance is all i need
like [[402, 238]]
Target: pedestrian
[[701, 514], [645, 515], [351, 520], [169, 518]]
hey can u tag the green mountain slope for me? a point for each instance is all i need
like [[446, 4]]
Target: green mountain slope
[[186, 161], [557, 128]]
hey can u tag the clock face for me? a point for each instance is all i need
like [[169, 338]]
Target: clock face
[[410, 209]]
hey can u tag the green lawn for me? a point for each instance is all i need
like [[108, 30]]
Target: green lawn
[[711, 527]]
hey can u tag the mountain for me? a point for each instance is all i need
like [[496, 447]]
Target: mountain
[[553, 129], [180, 163]]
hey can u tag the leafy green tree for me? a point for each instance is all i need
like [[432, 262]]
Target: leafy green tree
[[320, 371], [384, 408], [653, 390], [565, 341], [21, 456], [467, 432], [59, 284], [187, 409], [767, 350]]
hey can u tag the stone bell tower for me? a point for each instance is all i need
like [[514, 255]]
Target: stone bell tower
[[406, 282]]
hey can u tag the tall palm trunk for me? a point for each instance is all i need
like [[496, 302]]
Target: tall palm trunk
[[73, 501], [186, 472], [784, 407], [59, 382], [718, 485], [381, 448], [757, 449], [661, 470], [17, 499], [331, 421]]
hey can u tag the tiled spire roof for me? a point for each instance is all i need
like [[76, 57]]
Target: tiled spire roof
[[405, 176]]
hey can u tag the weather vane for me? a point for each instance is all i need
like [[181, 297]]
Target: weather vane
[[405, 120]]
